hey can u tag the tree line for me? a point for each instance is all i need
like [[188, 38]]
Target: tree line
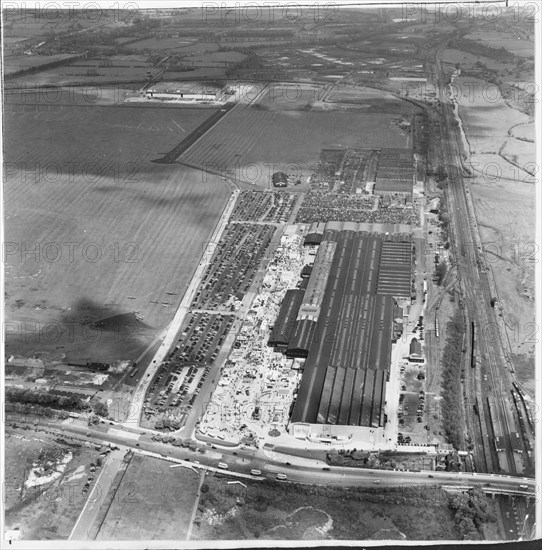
[[452, 396]]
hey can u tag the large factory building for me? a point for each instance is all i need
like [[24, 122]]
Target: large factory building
[[344, 329]]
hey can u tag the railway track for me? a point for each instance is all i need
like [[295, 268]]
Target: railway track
[[477, 295]]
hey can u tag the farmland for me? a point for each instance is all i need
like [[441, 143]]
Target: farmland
[[157, 507], [138, 227], [251, 144]]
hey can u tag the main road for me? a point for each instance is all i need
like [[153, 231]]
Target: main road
[[241, 460]]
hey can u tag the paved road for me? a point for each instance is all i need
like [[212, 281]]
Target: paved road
[[82, 529], [242, 459]]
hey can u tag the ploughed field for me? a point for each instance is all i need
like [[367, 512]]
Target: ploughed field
[[97, 234]]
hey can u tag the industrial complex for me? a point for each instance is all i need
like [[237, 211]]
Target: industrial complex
[[303, 308], [360, 281]]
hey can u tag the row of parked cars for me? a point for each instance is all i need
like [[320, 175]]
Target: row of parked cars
[[233, 265], [196, 350], [419, 328], [264, 206]]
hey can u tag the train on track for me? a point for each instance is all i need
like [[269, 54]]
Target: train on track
[[473, 341]]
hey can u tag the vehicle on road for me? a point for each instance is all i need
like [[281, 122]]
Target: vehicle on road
[[222, 465], [282, 477], [256, 472], [430, 475], [376, 481]]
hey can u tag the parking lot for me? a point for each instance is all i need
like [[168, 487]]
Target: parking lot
[[414, 404], [233, 266], [324, 207], [261, 206], [179, 379]]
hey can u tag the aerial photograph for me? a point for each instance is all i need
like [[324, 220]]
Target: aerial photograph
[[269, 274]]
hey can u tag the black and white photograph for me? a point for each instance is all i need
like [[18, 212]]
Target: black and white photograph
[[271, 274]]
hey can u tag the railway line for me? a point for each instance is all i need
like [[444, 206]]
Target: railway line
[[492, 376]]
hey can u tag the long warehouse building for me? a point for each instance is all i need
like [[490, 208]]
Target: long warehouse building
[[348, 345]]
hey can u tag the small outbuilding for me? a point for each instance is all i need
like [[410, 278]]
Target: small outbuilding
[[280, 179], [416, 354]]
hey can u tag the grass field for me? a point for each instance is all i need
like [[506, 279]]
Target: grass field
[[139, 227], [271, 511], [506, 217], [467, 60], [498, 40], [524, 132], [178, 45], [251, 143], [16, 63], [50, 511], [159, 506], [67, 74]]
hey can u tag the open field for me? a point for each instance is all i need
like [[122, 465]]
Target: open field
[[506, 215], [139, 228], [468, 60], [67, 74], [498, 40], [251, 144], [159, 506], [286, 96], [274, 511], [490, 124], [524, 132], [172, 44], [48, 511], [16, 63]]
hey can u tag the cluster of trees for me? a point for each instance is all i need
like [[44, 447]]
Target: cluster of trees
[[444, 218], [360, 459], [471, 513], [27, 409], [452, 399], [44, 399], [179, 442], [440, 272], [167, 424], [100, 409]]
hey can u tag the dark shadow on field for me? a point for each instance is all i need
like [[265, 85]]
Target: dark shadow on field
[[88, 332], [190, 202], [122, 322], [89, 313]]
